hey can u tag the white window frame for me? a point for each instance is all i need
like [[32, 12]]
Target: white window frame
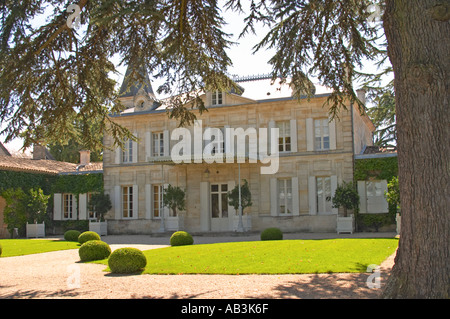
[[127, 206], [285, 136], [158, 144], [216, 98], [222, 206], [157, 195], [67, 202], [324, 206], [285, 196], [322, 135]]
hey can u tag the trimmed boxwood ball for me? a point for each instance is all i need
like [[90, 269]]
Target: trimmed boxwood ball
[[181, 238], [88, 235], [71, 235], [126, 260], [94, 250], [272, 234]]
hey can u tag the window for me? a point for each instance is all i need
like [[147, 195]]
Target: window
[[90, 211], [217, 98], [322, 135], [127, 202], [219, 201], [323, 187], [158, 192], [215, 145], [158, 144], [127, 152], [68, 208], [284, 138], [285, 196]]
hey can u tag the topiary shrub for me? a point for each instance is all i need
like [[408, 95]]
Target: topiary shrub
[[126, 260], [88, 235], [181, 238], [94, 250], [272, 234], [71, 235]]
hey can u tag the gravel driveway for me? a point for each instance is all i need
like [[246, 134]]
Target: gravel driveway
[[60, 275]]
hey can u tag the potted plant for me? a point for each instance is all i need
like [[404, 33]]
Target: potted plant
[[174, 199], [99, 203], [347, 197], [246, 201]]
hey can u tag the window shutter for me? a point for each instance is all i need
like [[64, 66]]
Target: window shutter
[[135, 150], [271, 125], [135, 202], [333, 191], [362, 197], [332, 132], [166, 143], [148, 145], [312, 201], [83, 206], [118, 155], [309, 135], [148, 201], [295, 197], [273, 197], [294, 147], [205, 220], [117, 202], [57, 206]]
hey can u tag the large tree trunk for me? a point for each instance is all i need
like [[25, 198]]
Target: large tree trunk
[[418, 36]]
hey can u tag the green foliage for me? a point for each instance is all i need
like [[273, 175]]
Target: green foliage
[[37, 205], [272, 233], [87, 236], [1, 250], [174, 198], [246, 196], [346, 196], [78, 184], [100, 203], [379, 168], [373, 222], [393, 193], [126, 260], [72, 235], [26, 181], [94, 250], [181, 238]]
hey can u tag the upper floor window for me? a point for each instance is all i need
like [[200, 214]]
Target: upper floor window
[[217, 98], [322, 134], [284, 137], [158, 144], [127, 151]]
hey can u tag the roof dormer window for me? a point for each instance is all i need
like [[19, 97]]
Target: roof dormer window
[[217, 98]]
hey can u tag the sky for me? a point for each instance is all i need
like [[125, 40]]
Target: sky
[[245, 62]]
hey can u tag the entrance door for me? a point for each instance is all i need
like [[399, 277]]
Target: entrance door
[[219, 207]]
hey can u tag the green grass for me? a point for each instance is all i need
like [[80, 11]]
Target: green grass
[[19, 247], [270, 257]]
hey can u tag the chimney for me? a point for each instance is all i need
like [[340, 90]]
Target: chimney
[[39, 152], [85, 157], [361, 93]]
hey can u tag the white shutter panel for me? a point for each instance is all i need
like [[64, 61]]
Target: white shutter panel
[[135, 202], [383, 202], [57, 206], [148, 145], [271, 126], [83, 206], [333, 191], [205, 220], [332, 132], [294, 147], [117, 202], [309, 135], [362, 197], [74, 207], [118, 155], [312, 202], [166, 210], [166, 143], [148, 201], [273, 197], [295, 197], [135, 146]]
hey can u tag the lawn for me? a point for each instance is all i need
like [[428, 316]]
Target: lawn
[[270, 257], [19, 247]]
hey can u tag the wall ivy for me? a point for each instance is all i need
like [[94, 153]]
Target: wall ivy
[[78, 184], [378, 168]]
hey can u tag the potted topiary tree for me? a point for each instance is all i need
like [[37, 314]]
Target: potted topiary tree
[[246, 201], [347, 197], [99, 203], [174, 199]]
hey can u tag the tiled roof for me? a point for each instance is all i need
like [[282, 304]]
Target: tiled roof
[[37, 166]]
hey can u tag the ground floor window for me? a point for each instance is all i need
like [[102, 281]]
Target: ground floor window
[[158, 191], [219, 200], [127, 201], [68, 208], [285, 196]]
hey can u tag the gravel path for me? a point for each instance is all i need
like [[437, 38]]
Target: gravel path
[[60, 275]]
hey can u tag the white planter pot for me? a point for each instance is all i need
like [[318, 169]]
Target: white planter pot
[[100, 228], [35, 230], [345, 224]]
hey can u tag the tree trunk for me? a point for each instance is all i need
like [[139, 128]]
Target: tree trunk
[[418, 36]]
